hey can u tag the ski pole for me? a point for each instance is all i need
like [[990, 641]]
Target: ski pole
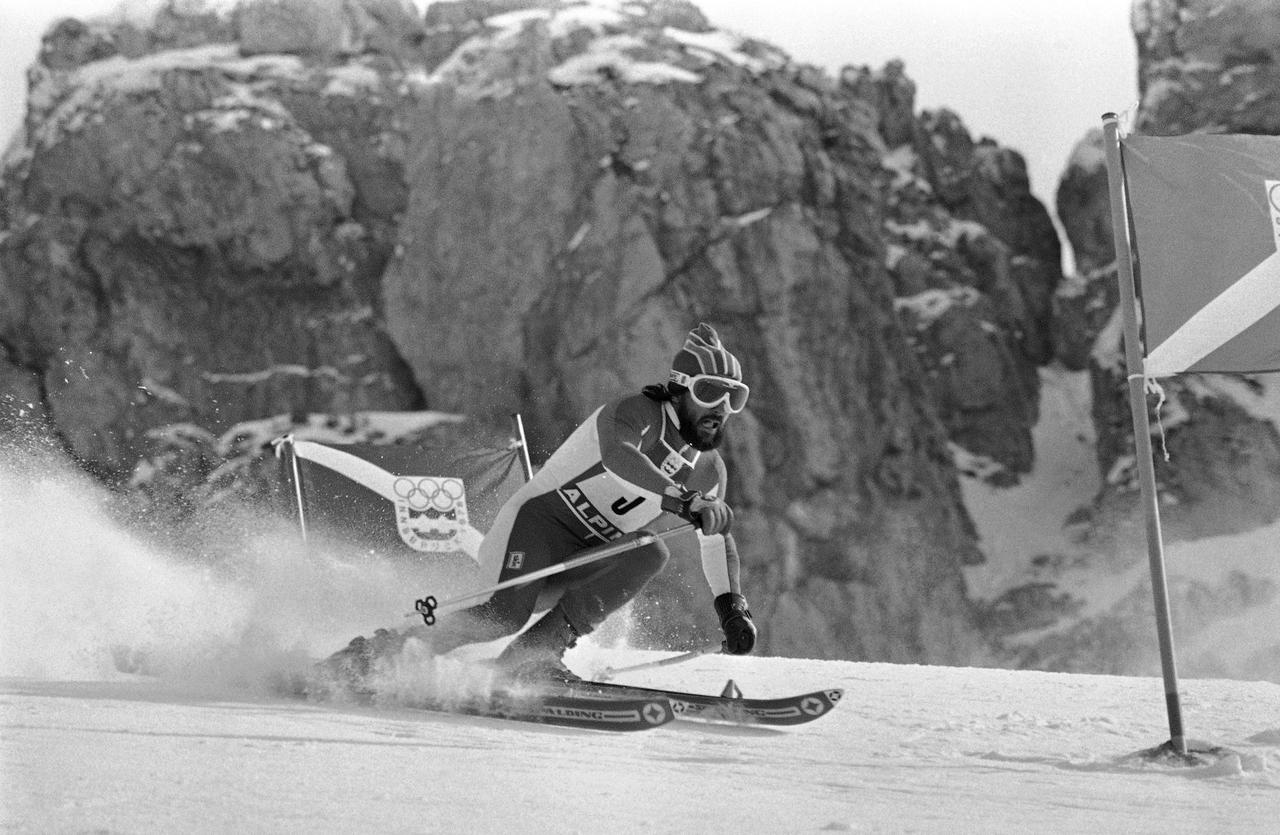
[[429, 607], [609, 672]]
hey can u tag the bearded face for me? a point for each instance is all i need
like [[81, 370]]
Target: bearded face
[[700, 427]]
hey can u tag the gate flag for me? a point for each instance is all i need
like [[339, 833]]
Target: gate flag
[[1206, 238], [414, 502], [1196, 225]]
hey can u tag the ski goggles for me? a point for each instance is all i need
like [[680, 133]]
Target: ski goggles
[[709, 391]]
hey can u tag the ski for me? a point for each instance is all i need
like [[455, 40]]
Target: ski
[[542, 705], [639, 712], [784, 710]]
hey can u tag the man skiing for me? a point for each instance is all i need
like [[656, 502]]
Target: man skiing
[[636, 463]]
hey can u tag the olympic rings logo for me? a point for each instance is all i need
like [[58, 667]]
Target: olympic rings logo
[[421, 493]]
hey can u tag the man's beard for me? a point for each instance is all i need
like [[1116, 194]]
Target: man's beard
[[694, 433]]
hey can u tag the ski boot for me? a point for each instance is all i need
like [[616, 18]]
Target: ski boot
[[348, 670], [537, 655]]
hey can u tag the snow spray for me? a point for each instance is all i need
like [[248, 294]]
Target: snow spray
[[87, 595]]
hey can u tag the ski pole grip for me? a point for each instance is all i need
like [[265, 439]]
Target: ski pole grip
[[680, 503]]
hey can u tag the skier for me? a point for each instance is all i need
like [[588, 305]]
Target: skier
[[634, 464]]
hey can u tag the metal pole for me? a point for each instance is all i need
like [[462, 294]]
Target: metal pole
[[284, 450], [428, 607], [609, 672], [1141, 425], [524, 447]]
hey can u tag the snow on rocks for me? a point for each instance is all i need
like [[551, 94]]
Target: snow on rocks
[[74, 100]]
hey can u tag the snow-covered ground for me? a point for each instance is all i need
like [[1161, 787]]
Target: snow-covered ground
[[910, 749], [1018, 524], [206, 747]]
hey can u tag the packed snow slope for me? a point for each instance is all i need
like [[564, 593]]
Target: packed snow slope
[[204, 745], [910, 749]]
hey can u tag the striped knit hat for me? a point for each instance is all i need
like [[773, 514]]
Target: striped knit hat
[[704, 354]]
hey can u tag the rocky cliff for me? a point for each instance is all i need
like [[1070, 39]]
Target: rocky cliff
[[1204, 66], [328, 208]]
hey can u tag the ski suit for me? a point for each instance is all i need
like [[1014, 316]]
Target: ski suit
[[605, 482]]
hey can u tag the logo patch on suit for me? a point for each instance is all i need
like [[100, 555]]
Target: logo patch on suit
[[673, 463], [515, 560]]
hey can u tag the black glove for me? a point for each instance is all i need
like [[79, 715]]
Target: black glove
[[676, 500], [711, 514], [735, 621]]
